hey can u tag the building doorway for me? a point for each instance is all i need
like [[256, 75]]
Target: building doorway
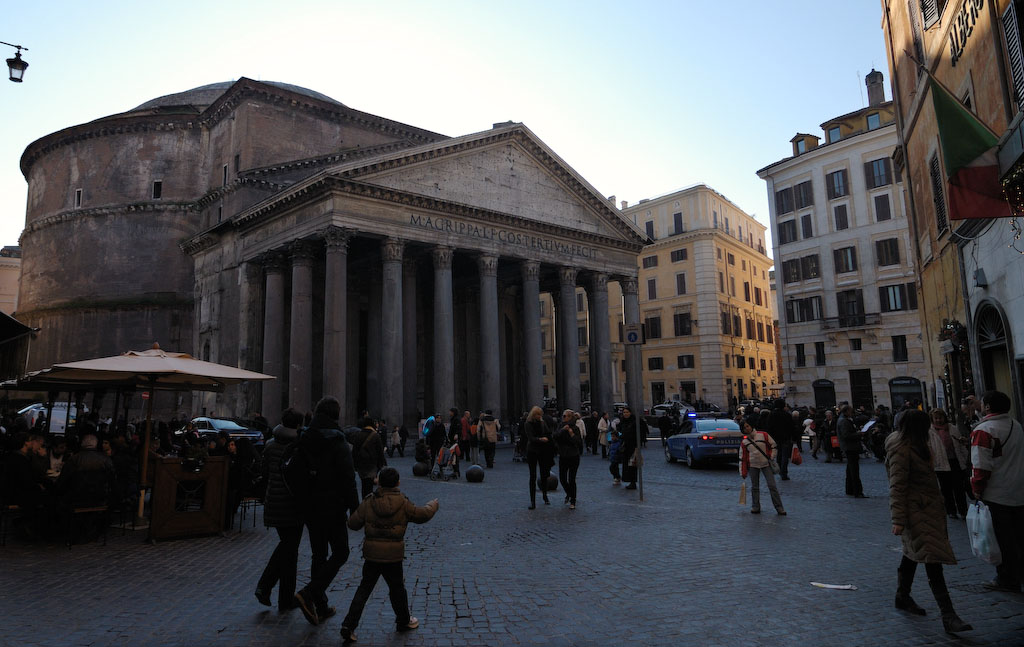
[[993, 356], [824, 394], [657, 393], [904, 389], [861, 393]]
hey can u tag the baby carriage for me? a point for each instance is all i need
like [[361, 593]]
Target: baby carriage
[[447, 464]]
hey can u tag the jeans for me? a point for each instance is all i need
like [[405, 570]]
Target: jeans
[[755, 487], [372, 571], [282, 566], [324, 532], [1008, 523], [567, 468], [545, 471], [853, 484]]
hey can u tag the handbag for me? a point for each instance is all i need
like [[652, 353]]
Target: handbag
[[835, 442], [796, 458], [771, 461], [983, 535]]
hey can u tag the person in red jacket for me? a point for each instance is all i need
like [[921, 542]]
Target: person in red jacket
[[757, 449]]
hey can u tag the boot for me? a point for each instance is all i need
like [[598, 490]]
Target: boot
[[951, 622], [904, 582]]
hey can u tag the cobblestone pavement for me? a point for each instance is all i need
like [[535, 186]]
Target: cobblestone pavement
[[686, 566]]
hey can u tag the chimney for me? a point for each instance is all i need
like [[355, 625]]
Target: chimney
[[876, 90], [625, 203]]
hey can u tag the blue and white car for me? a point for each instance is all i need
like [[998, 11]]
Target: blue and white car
[[710, 440]]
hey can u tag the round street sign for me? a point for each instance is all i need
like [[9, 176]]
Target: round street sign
[[145, 395], [632, 337]]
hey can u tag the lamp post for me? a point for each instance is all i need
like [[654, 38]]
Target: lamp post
[[16, 66]]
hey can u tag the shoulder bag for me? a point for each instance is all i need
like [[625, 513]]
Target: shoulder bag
[[771, 461]]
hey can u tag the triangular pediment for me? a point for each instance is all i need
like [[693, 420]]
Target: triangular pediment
[[506, 170]]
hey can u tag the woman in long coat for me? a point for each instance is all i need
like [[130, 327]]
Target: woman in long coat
[[919, 517], [540, 452]]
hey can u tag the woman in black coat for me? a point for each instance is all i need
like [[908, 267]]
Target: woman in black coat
[[540, 451], [281, 512], [570, 446], [627, 427]]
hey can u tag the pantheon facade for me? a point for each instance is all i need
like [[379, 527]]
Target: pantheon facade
[[273, 228]]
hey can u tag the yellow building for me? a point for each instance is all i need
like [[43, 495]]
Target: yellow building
[[10, 273]]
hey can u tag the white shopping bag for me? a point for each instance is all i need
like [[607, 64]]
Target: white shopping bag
[[983, 536]]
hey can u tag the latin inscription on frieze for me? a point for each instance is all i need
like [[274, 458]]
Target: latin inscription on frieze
[[508, 237]]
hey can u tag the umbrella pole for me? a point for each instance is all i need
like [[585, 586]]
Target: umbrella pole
[[145, 449]]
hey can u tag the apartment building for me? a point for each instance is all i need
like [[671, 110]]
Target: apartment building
[[846, 281]]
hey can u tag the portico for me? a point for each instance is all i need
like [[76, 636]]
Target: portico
[[410, 283]]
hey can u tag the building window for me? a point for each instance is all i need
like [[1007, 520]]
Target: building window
[[931, 10], [833, 134], [741, 361], [743, 266], [783, 201], [805, 226], [224, 179], [78, 198], [894, 298], [750, 329], [855, 343], [728, 361], [938, 197], [882, 210], [803, 193], [840, 215], [680, 284], [836, 184], [540, 308], [764, 366], [677, 221], [736, 330], [1015, 61], [678, 255], [581, 336], [801, 359], [580, 307], [850, 304], [887, 251], [685, 361], [623, 366], [819, 353], [649, 227], [583, 368], [800, 310], [874, 121], [801, 147], [770, 336], [544, 340], [655, 364], [746, 291], [714, 219], [757, 295], [220, 213], [238, 163], [791, 271], [683, 324], [544, 370], [653, 326], [732, 260], [727, 225], [650, 261], [899, 348], [721, 283], [787, 232], [845, 259], [809, 267], [760, 331], [652, 289], [878, 172], [732, 285], [158, 189], [726, 324]]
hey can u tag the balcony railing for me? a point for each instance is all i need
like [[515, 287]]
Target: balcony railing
[[851, 321]]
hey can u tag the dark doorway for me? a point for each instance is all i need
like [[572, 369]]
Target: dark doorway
[[657, 393], [861, 394], [824, 394]]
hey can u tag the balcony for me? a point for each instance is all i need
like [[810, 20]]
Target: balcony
[[851, 321]]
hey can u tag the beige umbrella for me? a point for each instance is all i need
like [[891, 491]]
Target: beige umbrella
[[148, 370]]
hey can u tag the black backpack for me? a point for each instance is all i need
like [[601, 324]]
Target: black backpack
[[298, 471]]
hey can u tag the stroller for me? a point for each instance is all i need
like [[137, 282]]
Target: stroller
[[447, 464]]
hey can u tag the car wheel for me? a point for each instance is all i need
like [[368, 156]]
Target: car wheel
[[668, 455], [691, 462]]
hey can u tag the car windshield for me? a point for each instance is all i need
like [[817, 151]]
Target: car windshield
[[226, 425]]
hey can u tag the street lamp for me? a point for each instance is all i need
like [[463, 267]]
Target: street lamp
[[16, 65]]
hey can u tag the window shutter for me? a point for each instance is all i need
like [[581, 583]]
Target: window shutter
[[911, 296], [853, 258], [1011, 30], [938, 197], [888, 171], [837, 260], [930, 12], [883, 298], [869, 177]]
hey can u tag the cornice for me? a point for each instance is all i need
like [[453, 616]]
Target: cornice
[[332, 159], [114, 210], [198, 243], [221, 192]]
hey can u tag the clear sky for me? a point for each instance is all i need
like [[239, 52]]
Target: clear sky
[[640, 97]]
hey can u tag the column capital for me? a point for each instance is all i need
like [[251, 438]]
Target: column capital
[[531, 270], [443, 258], [274, 261], [599, 282], [336, 238], [302, 251], [488, 265], [630, 284], [567, 275], [391, 250]]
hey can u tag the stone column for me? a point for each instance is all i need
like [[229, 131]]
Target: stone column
[[531, 333], [300, 352], [374, 383], [634, 369], [568, 340], [392, 364], [274, 264], [443, 369], [556, 344], [600, 345], [248, 332], [409, 353], [490, 376], [336, 313]]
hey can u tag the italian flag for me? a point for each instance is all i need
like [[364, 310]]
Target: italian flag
[[969, 154]]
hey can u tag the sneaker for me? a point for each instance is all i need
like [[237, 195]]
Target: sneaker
[[307, 607], [572, 506], [412, 624], [616, 481], [347, 635], [263, 597]]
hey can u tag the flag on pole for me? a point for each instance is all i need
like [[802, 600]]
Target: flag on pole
[[969, 156]]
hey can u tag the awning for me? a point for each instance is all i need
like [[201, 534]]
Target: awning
[[12, 329]]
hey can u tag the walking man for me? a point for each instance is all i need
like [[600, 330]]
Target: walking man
[[333, 494], [782, 430], [849, 443]]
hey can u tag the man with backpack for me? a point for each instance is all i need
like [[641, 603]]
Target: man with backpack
[[329, 493], [367, 453], [488, 431]]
